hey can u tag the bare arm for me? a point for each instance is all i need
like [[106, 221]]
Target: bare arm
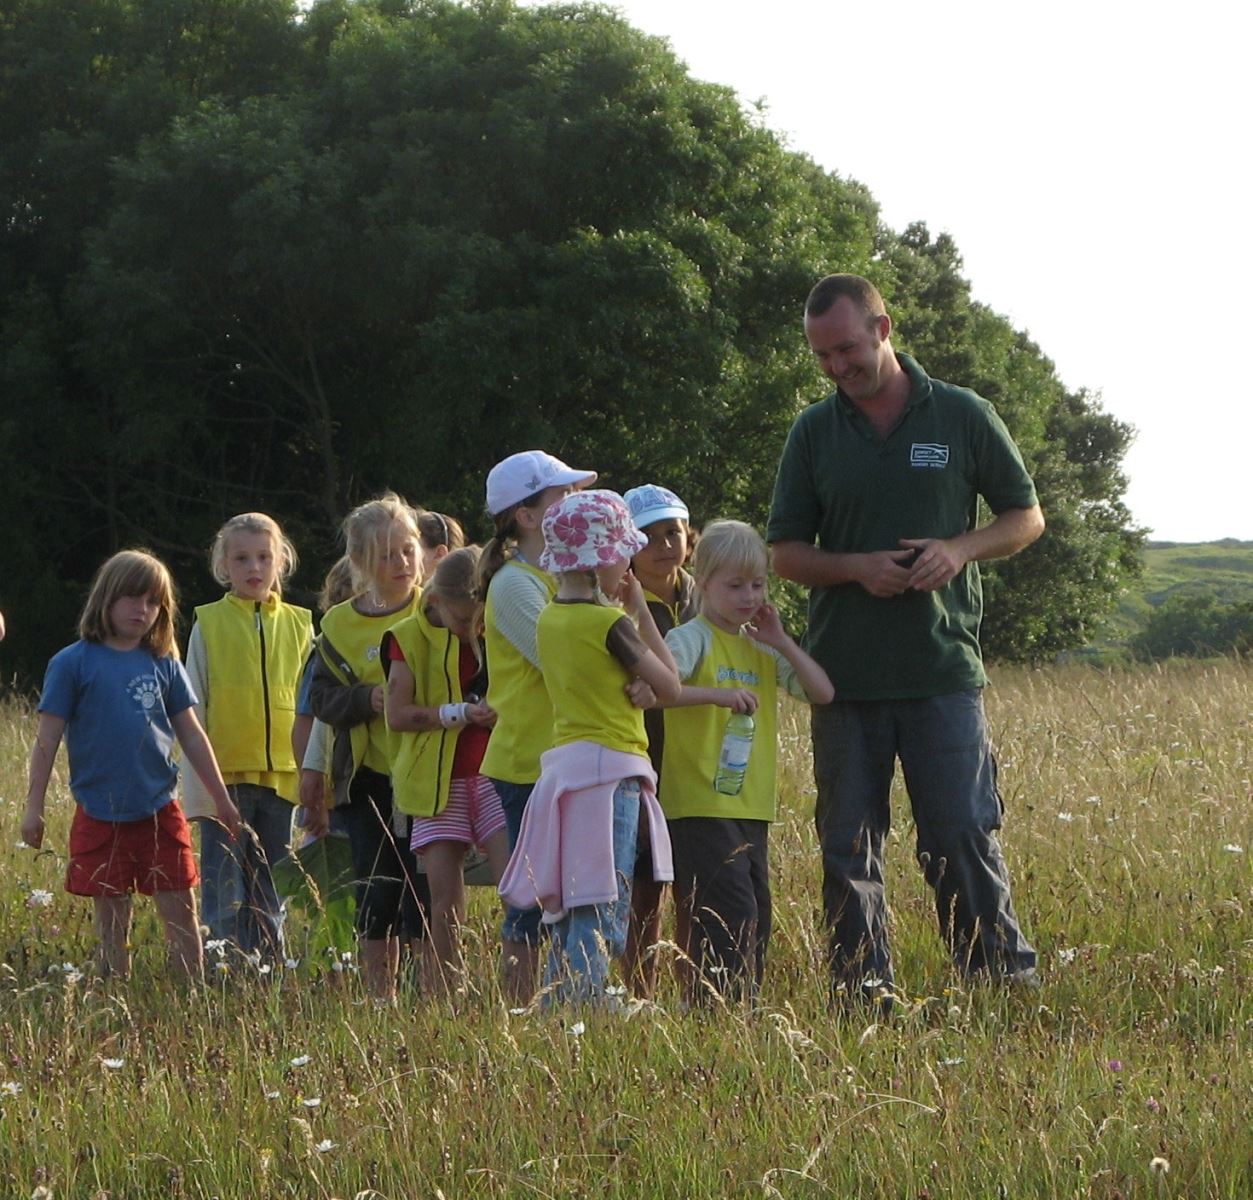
[[880, 572], [656, 668], [199, 754], [767, 629], [43, 754], [739, 700], [939, 559], [886, 573], [405, 715]]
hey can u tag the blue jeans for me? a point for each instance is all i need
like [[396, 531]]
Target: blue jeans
[[950, 775], [237, 893], [586, 936], [520, 924]]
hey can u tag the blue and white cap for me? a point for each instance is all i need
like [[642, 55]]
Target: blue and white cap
[[651, 502]]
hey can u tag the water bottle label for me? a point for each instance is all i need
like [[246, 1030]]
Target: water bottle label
[[735, 752]]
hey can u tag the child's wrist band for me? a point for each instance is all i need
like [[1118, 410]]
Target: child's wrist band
[[453, 716]]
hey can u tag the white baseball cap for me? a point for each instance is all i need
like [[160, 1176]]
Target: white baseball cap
[[527, 473]]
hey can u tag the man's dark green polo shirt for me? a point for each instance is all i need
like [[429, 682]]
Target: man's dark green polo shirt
[[842, 486]]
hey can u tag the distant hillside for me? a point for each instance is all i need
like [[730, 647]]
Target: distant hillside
[[1223, 569]]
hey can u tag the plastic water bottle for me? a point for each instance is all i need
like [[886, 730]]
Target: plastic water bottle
[[737, 745]]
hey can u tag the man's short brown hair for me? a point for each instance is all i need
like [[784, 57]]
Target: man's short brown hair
[[860, 291]]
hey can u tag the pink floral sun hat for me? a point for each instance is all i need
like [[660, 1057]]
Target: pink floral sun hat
[[587, 530]]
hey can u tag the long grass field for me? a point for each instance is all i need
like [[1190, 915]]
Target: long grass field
[[1129, 833]]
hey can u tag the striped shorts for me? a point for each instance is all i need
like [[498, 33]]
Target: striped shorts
[[472, 815]]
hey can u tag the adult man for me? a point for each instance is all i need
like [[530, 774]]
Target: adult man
[[884, 475]]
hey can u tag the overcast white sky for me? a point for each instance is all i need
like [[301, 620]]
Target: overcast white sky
[[1091, 161]]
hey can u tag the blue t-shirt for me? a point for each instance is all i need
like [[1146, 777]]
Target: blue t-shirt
[[117, 706], [304, 704]]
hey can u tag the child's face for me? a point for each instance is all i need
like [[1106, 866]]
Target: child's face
[[131, 618], [666, 551], [430, 556], [731, 596], [396, 569], [456, 617], [251, 565], [531, 516], [610, 576]]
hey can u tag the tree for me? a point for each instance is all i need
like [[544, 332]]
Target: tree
[[259, 258], [1195, 625]]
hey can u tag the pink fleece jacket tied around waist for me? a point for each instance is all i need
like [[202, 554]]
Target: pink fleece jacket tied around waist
[[564, 855]]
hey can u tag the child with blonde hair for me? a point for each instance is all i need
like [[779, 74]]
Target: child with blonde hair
[[577, 847], [121, 697], [514, 591], [382, 542], [436, 681], [245, 657], [734, 656]]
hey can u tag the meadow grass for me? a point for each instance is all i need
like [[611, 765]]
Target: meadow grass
[[1129, 830]]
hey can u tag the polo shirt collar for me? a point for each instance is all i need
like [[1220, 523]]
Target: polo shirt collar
[[920, 390]]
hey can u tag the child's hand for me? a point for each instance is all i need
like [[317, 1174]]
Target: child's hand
[[312, 788], [376, 698], [631, 595], [739, 700], [640, 694], [481, 713], [33, 827], [317, 820], [766, 628], [228, 815]]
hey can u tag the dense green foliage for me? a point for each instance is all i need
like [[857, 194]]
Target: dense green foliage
[[1190, 599], [253, 258], [1196, 625]]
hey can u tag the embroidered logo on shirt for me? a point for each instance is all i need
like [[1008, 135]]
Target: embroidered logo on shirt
[[928, 454], [731, 675]]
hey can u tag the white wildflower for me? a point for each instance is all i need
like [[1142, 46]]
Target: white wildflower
[[1231, 848], [1067, 955], [324, 1146], [39, 898], [312, 1102], [10, 1089], [578, 1029], [301, 1060], [113, 1064], [1065, 816], [951, 1062]]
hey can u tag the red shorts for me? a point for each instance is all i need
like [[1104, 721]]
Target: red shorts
[[115, 858]]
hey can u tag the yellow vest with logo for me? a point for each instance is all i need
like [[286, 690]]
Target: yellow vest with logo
[[524, 724], [255, 654], [585, 682], [357, 638], [422, 766], [694, 734]]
